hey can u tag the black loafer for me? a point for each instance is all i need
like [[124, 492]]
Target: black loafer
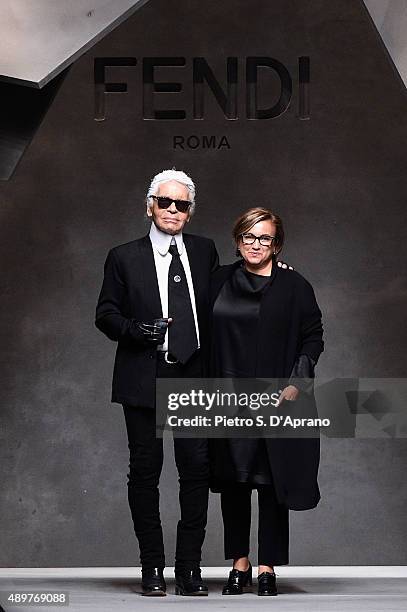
[[238, 582], [152, 582], [267, 584], [189, 582]]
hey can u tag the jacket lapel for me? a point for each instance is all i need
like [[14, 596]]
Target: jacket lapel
[[194, 262], [149, 277]]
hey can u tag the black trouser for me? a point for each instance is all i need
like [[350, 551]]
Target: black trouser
[[273, 524], [146, 460]]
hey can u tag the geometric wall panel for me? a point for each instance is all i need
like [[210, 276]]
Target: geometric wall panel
[[39, 39], [390, 18]]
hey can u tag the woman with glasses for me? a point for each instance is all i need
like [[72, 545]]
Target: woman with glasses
[[266, 324]]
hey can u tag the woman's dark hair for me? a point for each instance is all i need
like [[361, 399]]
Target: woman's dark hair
[[252, 216]]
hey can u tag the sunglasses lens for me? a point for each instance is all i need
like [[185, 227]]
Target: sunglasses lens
[[181, 205], [163, 202]]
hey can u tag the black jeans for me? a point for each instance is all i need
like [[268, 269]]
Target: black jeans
[[273, 530], [146, 460]]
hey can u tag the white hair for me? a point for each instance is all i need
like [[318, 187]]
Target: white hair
[[172, 175]]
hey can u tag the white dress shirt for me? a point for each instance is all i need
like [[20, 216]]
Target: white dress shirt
[[162, 258]]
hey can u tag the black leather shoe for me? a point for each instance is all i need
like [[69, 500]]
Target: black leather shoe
[[189, 582], [267, 584], [238, 582], [153, 582]]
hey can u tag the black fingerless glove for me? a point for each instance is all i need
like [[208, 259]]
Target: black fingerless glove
[[149, 333]]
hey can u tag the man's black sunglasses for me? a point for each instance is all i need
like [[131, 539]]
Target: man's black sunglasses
[[181, 205]]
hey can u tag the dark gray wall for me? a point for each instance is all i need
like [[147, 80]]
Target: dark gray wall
[[339, 182]]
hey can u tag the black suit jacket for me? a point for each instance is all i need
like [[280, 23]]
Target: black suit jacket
[[129, 294]]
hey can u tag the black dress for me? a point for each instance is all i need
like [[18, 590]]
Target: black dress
[[283, 343], [235, 326]]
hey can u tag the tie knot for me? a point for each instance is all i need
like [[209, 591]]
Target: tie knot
[[173, 250]]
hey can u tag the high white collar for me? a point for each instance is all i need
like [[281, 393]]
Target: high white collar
[[161, 241]]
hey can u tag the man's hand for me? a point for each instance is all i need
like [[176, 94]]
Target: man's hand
[[282, 264], [151, 332], [289, 393]]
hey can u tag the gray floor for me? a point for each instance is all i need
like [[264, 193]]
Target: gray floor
[[301, 589]]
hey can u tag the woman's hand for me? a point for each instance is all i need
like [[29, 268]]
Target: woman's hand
[[289, 393]]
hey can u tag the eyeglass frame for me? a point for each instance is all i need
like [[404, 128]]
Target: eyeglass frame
[[273, 239]]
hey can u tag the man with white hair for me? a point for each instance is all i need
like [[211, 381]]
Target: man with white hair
[[154, 302]]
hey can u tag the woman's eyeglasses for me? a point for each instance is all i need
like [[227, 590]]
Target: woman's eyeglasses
[[163, 202], [264, 240]]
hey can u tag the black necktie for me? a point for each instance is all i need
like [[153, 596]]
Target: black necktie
[[182, 339]]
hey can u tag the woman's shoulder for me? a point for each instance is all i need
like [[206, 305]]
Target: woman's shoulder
[[221, 276], [225, 270], [293, 277]]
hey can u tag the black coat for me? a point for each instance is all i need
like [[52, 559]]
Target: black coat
[[289, 326], [130, 293]]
